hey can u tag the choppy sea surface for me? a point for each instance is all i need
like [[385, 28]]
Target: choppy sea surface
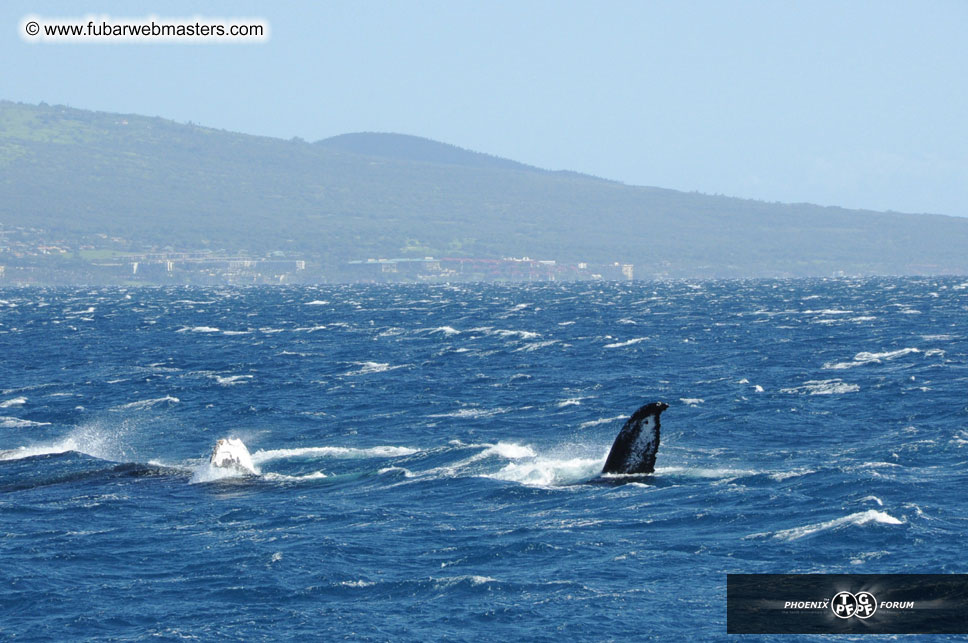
[[421, 452]]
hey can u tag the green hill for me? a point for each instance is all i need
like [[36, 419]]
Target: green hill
[[80, 175]]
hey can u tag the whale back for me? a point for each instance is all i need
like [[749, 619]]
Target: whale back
[[634, 449]]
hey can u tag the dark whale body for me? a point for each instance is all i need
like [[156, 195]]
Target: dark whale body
[[634, 449]]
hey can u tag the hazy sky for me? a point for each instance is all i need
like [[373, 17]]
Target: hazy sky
[[860, 104]]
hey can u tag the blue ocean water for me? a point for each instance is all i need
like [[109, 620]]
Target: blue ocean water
[[421, 451]]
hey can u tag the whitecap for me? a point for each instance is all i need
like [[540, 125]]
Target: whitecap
[[536, 345], [470, 413], [198, 329], [16, 401], [780, 476], [692, 401], [859, 519], [354, 453], [630, 342], [548, 472], [367, 368], [609, 420], [829, 311], [823, 387], [277, 477], [231, 380], [144, 404], [8, 422], [866, 357]]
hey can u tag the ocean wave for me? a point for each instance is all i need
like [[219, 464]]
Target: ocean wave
[[520, 334], [548, 472], [281, 477], [630, 342], [823, 387], [859, 519], [608, 420], [146, 404], [16, 401], [309, 329], [198, 329], [367, 368], [9, 422], [864, 357], [536, 345], [471, 413], [231, 380], [445, 330], [262, 456]]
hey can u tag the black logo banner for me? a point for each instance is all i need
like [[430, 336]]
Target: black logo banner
[[847, 603]]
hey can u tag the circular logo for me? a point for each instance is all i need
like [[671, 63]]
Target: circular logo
[[866, 604], [846, 605]]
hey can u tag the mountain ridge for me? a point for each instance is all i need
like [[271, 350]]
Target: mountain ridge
[[155, 183]]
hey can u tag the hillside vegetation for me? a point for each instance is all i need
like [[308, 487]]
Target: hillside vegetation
[[157, 183]]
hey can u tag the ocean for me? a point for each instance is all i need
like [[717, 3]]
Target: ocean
[[421, 452]]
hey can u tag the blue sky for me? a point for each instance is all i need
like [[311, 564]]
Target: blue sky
[[852, 103]]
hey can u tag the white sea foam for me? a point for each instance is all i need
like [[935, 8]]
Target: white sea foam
[[521, 334], [627, 343], [16, 401], [445, 330], [719, 473], [103, 441], [277, 477], [536, 345], [146, 404], [823, 387], [367, 368], [199, 329], [353, 453], [692, 401], [572, 401], [591, 423], [9, 422], [231, 380], [864, 357], [548, 472], [317, 302], [859, 519], [471, 413], [208, 472], [780, 476]]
